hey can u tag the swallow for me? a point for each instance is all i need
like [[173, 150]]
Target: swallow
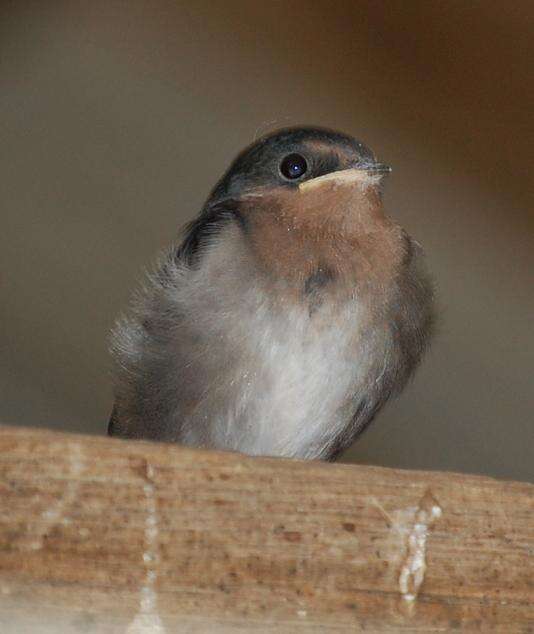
[[292, 311]]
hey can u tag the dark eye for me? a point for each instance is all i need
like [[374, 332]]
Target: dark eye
[[293, 166]]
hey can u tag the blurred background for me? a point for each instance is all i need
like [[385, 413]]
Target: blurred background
[[116, 118]]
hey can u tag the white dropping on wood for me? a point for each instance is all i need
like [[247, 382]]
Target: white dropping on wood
[[413, 571], [147, 620], [55, 513]]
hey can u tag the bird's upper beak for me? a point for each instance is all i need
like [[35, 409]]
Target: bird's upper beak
[[368, 172]]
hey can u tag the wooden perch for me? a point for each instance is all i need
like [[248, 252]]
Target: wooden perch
[[104, 536]]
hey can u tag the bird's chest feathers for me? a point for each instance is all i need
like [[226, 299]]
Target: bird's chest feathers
[[302, 340]]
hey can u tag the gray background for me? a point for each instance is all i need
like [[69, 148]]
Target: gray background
[[117, 118]]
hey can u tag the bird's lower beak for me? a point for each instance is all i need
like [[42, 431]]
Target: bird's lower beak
[[364, 173]]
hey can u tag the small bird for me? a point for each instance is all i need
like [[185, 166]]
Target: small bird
[[293, 309]]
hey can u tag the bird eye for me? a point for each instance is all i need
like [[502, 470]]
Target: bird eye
[[293, 166]]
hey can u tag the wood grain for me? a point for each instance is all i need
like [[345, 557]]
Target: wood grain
[[101, 535]]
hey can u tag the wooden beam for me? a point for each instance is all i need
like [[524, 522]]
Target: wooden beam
[[102, 535]]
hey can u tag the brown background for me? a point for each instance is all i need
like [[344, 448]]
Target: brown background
[[117, 118]]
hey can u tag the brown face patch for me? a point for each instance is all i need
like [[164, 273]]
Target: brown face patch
[[339, 227]]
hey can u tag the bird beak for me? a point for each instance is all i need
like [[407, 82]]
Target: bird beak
[[367, 173], [379, 168]]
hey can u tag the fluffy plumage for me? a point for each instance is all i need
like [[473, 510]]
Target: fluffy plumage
[[291, 312]]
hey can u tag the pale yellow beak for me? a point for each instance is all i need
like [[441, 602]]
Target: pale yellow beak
[[344, 177]]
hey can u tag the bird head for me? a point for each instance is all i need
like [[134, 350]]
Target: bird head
[[299, 160]]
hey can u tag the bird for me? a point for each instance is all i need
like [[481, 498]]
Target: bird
[[291, 311]]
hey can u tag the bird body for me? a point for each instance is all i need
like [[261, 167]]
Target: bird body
[[289, 315]]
